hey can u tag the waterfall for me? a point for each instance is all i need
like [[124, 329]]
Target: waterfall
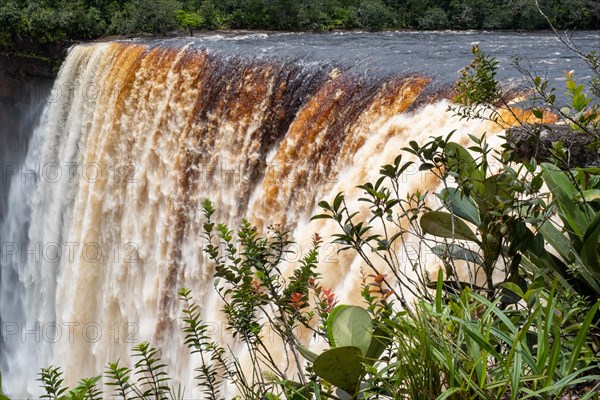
[[104, 218]]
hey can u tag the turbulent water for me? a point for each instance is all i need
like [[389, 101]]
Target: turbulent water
[[104, 218]]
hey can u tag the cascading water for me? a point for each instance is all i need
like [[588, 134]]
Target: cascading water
[[136, 136]]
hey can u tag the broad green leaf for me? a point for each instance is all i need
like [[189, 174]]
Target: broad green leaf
[[565, 194], [443, 224], [460, 204], [379, 342], [459, 158], [352, 326], [591, 195], [466, 163], [589, 252], [332, 314], [511, 293], [342, 367], [580, 102], [556, 239], [491, 191]]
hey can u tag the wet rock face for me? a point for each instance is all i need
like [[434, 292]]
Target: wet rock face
[[535, 141], [25, 84]]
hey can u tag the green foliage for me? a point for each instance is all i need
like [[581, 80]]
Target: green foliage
[[210, 16], [315, 16], [477, 88], [198, 341], [146, 16], [189, 20], [579, 112], [577, 259], [520, 339], [152, 378], [445, 225], [350, 326], [119, 378], [152, 382], [86, 390], [434, 18], [374, 15], [51, 381], [487, 352], [341, 366], [465, 346], [572, 192], [495, 204], [254, 293], [355, 345]]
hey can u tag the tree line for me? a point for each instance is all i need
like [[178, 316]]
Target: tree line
[[56, 21]]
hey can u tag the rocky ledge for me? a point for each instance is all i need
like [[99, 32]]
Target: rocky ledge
[[536, 141]]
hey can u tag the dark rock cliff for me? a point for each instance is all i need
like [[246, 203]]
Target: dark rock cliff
[[25, 84]]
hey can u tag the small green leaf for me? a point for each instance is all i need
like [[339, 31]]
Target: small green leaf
[[443, 224], [321, 216], [306, 353], [457, 252], [580, 102]]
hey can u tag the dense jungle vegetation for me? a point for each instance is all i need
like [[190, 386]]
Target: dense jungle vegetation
[[50, 21]]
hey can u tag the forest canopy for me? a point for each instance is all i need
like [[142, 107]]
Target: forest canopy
[[52, 21]]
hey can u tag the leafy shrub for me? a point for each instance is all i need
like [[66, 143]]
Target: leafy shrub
[[374, 15], [434, 18]]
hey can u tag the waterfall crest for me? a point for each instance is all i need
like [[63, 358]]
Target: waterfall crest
[[134, 137]]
